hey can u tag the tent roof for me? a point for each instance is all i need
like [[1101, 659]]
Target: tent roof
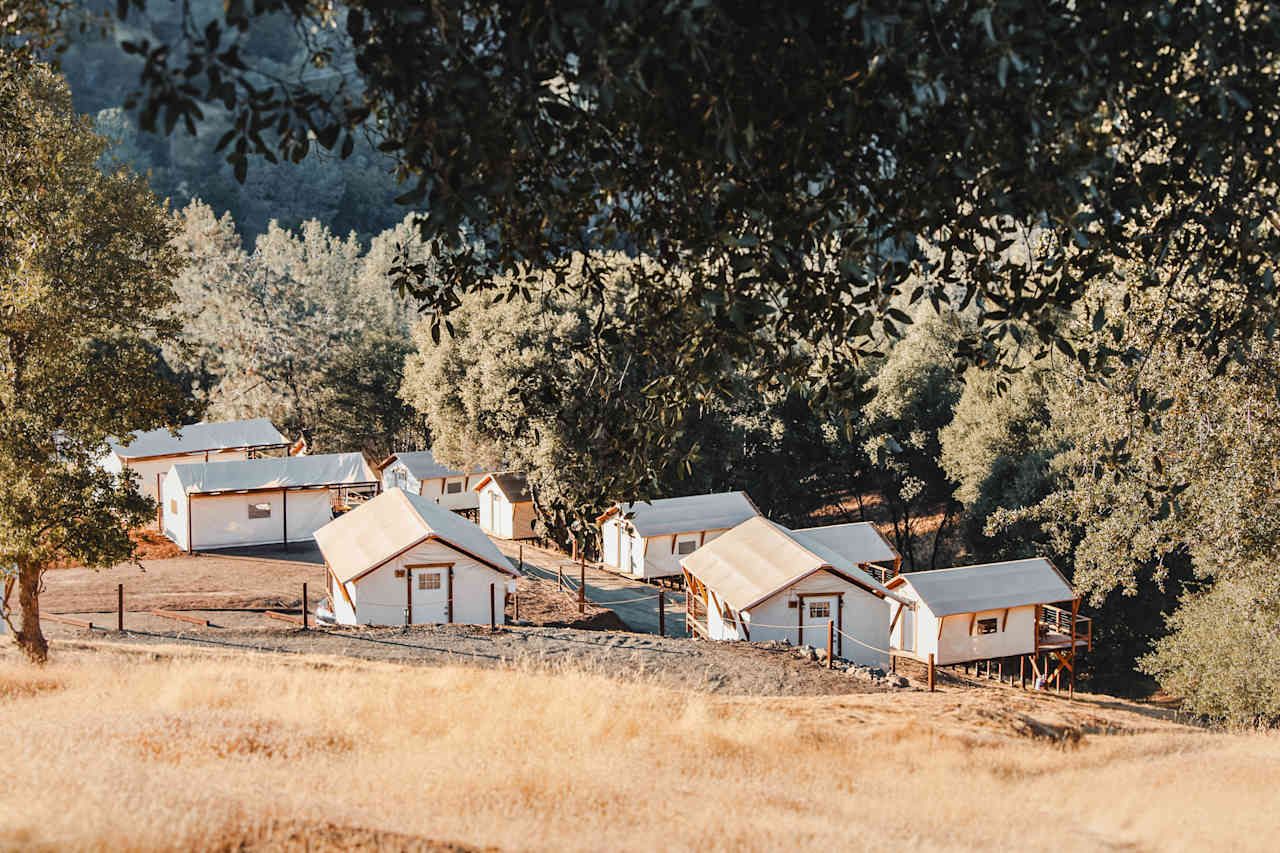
[[690, 514], [423, 465], [991, 586], [860, 541], [394, 521], [195, 438], [331, 469], [514, 487], [758, 559]]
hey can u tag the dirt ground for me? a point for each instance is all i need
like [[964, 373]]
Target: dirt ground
[[730, 668]]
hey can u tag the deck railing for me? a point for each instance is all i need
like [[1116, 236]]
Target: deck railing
[[1058, 620]]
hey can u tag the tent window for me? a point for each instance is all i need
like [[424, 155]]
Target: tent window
[[429, 580], [686, 547], [987, 626], [262, 510], [453, 488], [819, 610], [402, 478]]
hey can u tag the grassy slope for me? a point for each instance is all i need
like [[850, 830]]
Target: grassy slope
[[117, 751]]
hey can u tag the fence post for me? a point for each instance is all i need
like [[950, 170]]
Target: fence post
[[304, 606], [831, 633], [893, 663], [930, 672], [521, 566], [582, 585], [1022, 670], [662, 613], [493, 618], [560, 577], [120, 607], [515, 606]]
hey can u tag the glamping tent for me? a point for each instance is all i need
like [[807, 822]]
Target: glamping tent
[[403, 559], [418, 473], [258, 501], [983, 612], [648, 539], [151, 454], [761, 581], [506, 506]]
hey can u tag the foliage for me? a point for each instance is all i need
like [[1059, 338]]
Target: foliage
[[86, 302], [268, 330], [915, 392], [1222, 654], [358, 402], [997, 450], [803, 164]]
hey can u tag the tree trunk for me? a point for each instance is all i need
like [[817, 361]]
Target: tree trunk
[[30, 639]]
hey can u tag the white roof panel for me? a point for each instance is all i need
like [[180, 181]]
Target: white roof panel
[[197, 438], [859, 542], [991, 586], [330, 469], [690, 514], [422, 464], [374, 532], [759, 558]]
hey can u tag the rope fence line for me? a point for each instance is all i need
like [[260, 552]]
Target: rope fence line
[[816, 626]]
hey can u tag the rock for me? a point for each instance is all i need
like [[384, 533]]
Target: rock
[[809, 652], [877, 673], [899, 681]]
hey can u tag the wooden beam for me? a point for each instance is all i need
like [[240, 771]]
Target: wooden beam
[[973, 617], [1004, 620], [67, 620], [283, 617], [181, 617]]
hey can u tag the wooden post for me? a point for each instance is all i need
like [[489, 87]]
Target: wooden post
[[284, 518], [408, 597], [1022, 670], [120, 607], [521, 566], [1000, 671], [930, 672], [493, 618], [560, 577], [662, 613], [893, 663], [831, 645], [449, 615], [159, 505], [515, 605], [304, 605], [582, 586]]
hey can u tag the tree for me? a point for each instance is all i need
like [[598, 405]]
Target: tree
[[86, 303], [359, 399], [915, 392], [803, 165]]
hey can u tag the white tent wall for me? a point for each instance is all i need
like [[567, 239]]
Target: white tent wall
[[906, 627], [1017, 636], [452, 492], [499, 517], [175, 511], [223, 521], [658, 560], [610, 542], [380, 597], [864, 616], [343, 612], [148, 469], [397, 474]]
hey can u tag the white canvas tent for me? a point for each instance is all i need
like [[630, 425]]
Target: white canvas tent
[[258, 501], [506, 506], [982, 612], [761, 581], [418, 473], [402, 559], [151, 454], [647, 539]]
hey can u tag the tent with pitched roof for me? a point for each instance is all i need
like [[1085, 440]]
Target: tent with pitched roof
[[402, 559], [761, 581], [647, 539]]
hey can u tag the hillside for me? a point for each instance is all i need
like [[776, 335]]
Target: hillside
[[185, 750]]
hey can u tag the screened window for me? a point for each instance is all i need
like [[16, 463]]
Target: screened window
[[687, 547], [429, 580], [402, 478], [820, 610], [453, 488], [262, 510], [987, 626]]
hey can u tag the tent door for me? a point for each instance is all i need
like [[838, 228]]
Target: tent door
[[818, 610], [907, 627]]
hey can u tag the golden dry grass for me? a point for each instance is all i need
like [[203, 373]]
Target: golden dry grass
[[116, 752]]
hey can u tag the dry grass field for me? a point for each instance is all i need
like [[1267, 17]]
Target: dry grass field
[[168, 749]]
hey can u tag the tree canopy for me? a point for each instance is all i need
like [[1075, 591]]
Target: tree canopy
[[86, 302]]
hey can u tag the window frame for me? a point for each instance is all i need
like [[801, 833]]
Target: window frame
[[987, 626], [423, 581], [256, 513], [681, 543], [454, 488], [825, 605]]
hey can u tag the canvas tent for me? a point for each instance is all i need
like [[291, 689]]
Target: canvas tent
[[761, 581], [403, 559], [506, 506], [647, 539], [988, 611], [151, 454], [418, 473], [258, 501]]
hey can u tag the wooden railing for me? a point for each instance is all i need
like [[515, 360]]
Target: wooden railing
[[1058, 620]]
